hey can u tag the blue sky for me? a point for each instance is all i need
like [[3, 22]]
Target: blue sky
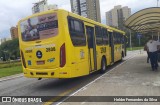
[[11, 11]]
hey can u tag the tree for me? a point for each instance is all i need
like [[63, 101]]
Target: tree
[[10, 50]]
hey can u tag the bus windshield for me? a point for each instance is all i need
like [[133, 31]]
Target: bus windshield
[[40, 27]]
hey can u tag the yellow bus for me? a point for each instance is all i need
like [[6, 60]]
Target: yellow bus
[[60, 44]]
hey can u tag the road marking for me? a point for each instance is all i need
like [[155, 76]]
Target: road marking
[[95, 80], [10, 77], [51, 101], [70, 90]]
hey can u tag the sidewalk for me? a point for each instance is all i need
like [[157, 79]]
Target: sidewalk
[[133, 78]]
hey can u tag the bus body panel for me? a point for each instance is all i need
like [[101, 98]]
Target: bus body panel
[[92, 56], [77, 56], [117, 52], [57, 57], [50, 49]]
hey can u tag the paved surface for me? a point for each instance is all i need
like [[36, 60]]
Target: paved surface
[[133, 78], [21, 86], [11, 77]]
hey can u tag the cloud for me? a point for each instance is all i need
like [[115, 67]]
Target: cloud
[[12, 11], [62, 4], [135, 5]]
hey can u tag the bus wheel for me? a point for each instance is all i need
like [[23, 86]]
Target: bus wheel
[[103, 66], [122, 54]]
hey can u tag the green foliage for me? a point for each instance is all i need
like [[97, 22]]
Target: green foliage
[[134, 48], [10, 64], [10, 71], [10, 50], [135, 40]]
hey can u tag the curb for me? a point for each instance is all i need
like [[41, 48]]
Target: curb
[[95, 80], [11, 77]]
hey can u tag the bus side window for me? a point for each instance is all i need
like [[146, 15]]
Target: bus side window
[[99, 36], [110, 38], [76, 30], [105, 36], [122, 39], [114, 38], [118, 38]]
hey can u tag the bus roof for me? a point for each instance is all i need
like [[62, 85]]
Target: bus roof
[[76, 16], [40, 13]]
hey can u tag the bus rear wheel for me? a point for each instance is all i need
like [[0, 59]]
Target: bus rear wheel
[[103, 66], [123, 54]]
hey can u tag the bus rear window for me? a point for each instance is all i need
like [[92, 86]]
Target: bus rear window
[[38, 28]]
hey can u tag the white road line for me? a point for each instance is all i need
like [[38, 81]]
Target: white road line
[[11, 77], [96, 79]]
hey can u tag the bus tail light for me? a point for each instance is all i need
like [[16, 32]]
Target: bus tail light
[[62, 55], [23, 59]]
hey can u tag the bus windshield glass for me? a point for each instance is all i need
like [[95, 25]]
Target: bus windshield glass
[[40, 27]]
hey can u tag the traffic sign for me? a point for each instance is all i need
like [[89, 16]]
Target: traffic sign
[[139, 36]]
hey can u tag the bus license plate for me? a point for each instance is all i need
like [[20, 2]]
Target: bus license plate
[[40, 62]]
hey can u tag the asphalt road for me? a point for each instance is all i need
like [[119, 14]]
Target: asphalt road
[[47, 87]]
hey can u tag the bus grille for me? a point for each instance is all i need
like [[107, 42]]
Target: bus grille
[[41, 73]]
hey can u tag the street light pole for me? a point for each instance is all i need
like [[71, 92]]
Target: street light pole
[[158, 36], [139, 41], [130, 40]]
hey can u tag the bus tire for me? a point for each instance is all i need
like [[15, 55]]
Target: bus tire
[[103, 66], [123, 54]]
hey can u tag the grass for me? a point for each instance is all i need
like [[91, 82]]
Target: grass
[[10, 68], [10, 71], [134, 48], [9, 64]]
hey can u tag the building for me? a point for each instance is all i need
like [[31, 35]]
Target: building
[[42, 6], [52, 6], [87, 8], [116, 16], [14, 32]]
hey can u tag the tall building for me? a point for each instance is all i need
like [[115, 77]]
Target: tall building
[[43, 6], [14, 32], [87, 8], [116, 16]]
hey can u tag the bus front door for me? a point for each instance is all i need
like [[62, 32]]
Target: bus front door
[[111, 44], [91, 48]]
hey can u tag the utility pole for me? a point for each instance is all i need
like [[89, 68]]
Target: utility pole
[[158, 35], [152, 34], [130, 40], [139, 41], [157, 2]]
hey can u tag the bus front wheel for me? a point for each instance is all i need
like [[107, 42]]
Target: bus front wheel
[[103, 66]]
